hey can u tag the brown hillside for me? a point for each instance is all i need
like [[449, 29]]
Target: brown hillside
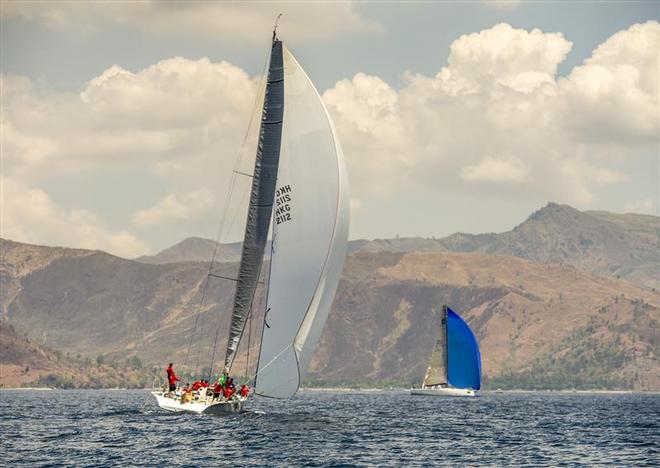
[[526, 316], [26, 363], [550, 325]]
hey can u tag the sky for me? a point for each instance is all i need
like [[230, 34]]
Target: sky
[[121, 121]]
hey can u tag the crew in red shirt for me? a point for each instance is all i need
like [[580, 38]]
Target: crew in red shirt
[[217, 390], [171, 377], [245, 391]]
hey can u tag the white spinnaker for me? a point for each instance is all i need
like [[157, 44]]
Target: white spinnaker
[[310, 231]]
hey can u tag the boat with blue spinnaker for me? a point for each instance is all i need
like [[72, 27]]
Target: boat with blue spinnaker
[[455, 365]]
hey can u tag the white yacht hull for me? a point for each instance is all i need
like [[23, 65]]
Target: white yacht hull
[[198, 407], [444, 391]]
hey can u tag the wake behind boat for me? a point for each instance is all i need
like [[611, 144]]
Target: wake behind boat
[[455, 367], [299, 180]]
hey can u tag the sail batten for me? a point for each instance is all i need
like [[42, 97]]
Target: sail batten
[[260, 207]]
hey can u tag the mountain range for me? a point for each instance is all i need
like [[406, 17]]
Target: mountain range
[[567, 299], [619, 245]]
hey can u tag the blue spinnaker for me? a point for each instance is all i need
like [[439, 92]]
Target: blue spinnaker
[[463, 356]]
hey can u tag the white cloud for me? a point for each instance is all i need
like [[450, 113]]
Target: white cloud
[[367, 116], [29, 215], [606, 176], [174, 208], [500, 95], [494, 122], [514, 58], [170, 111], [181, 120], [491, 169], [217, 21], [614, 95]]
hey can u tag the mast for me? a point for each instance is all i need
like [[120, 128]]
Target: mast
[[262, 196]]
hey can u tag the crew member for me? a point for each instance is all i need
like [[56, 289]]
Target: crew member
[[217, 390], [171, 377]]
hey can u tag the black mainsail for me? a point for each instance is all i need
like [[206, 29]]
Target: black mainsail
[[261, 199]]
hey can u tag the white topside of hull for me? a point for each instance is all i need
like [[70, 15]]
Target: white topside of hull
[[444, 391], [198, 407]]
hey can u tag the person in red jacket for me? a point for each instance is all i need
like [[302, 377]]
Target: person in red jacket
[[196, 385], [171, 377], [245, 391], [217, 390]]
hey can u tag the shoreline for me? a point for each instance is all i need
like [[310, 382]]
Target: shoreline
[[371, 390]]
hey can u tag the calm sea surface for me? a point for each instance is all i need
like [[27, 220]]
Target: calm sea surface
[[106, 428]]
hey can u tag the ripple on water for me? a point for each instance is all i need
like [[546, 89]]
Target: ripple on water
[[101, 428]]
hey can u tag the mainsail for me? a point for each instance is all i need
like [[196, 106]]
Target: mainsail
[[310, 232], [261, 200], [436, 374], [463, 356]]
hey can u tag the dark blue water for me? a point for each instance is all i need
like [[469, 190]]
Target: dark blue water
[[106, 428]]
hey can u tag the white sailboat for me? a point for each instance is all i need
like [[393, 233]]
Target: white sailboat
[[300, 182], [455, 366]]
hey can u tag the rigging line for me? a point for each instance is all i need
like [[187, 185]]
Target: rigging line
[[229, 278], [259, 95], [215, 344], [254, 376], [228, 198]]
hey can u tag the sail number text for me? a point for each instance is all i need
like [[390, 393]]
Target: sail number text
[[283, 204]]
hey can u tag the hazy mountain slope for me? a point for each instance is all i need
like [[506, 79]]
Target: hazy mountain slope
[[195, 249], [608, 244], [531, 320], [623, 246], [561, 234], [100, 303], [24, 362], [639, 223], [18, 260], [536, 323]]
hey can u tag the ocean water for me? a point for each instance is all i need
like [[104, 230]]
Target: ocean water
[[126, 428]]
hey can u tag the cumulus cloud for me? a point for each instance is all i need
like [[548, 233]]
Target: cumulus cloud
[[175, 207], [499, 121], [367, 115], [513, 58], [182, 120], [496, 121], [493, 169], [171, 111], [614, 95], [210, 20], [29, 215]]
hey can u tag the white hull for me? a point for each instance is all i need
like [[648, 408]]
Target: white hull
[[198, 407], [444, 391]]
